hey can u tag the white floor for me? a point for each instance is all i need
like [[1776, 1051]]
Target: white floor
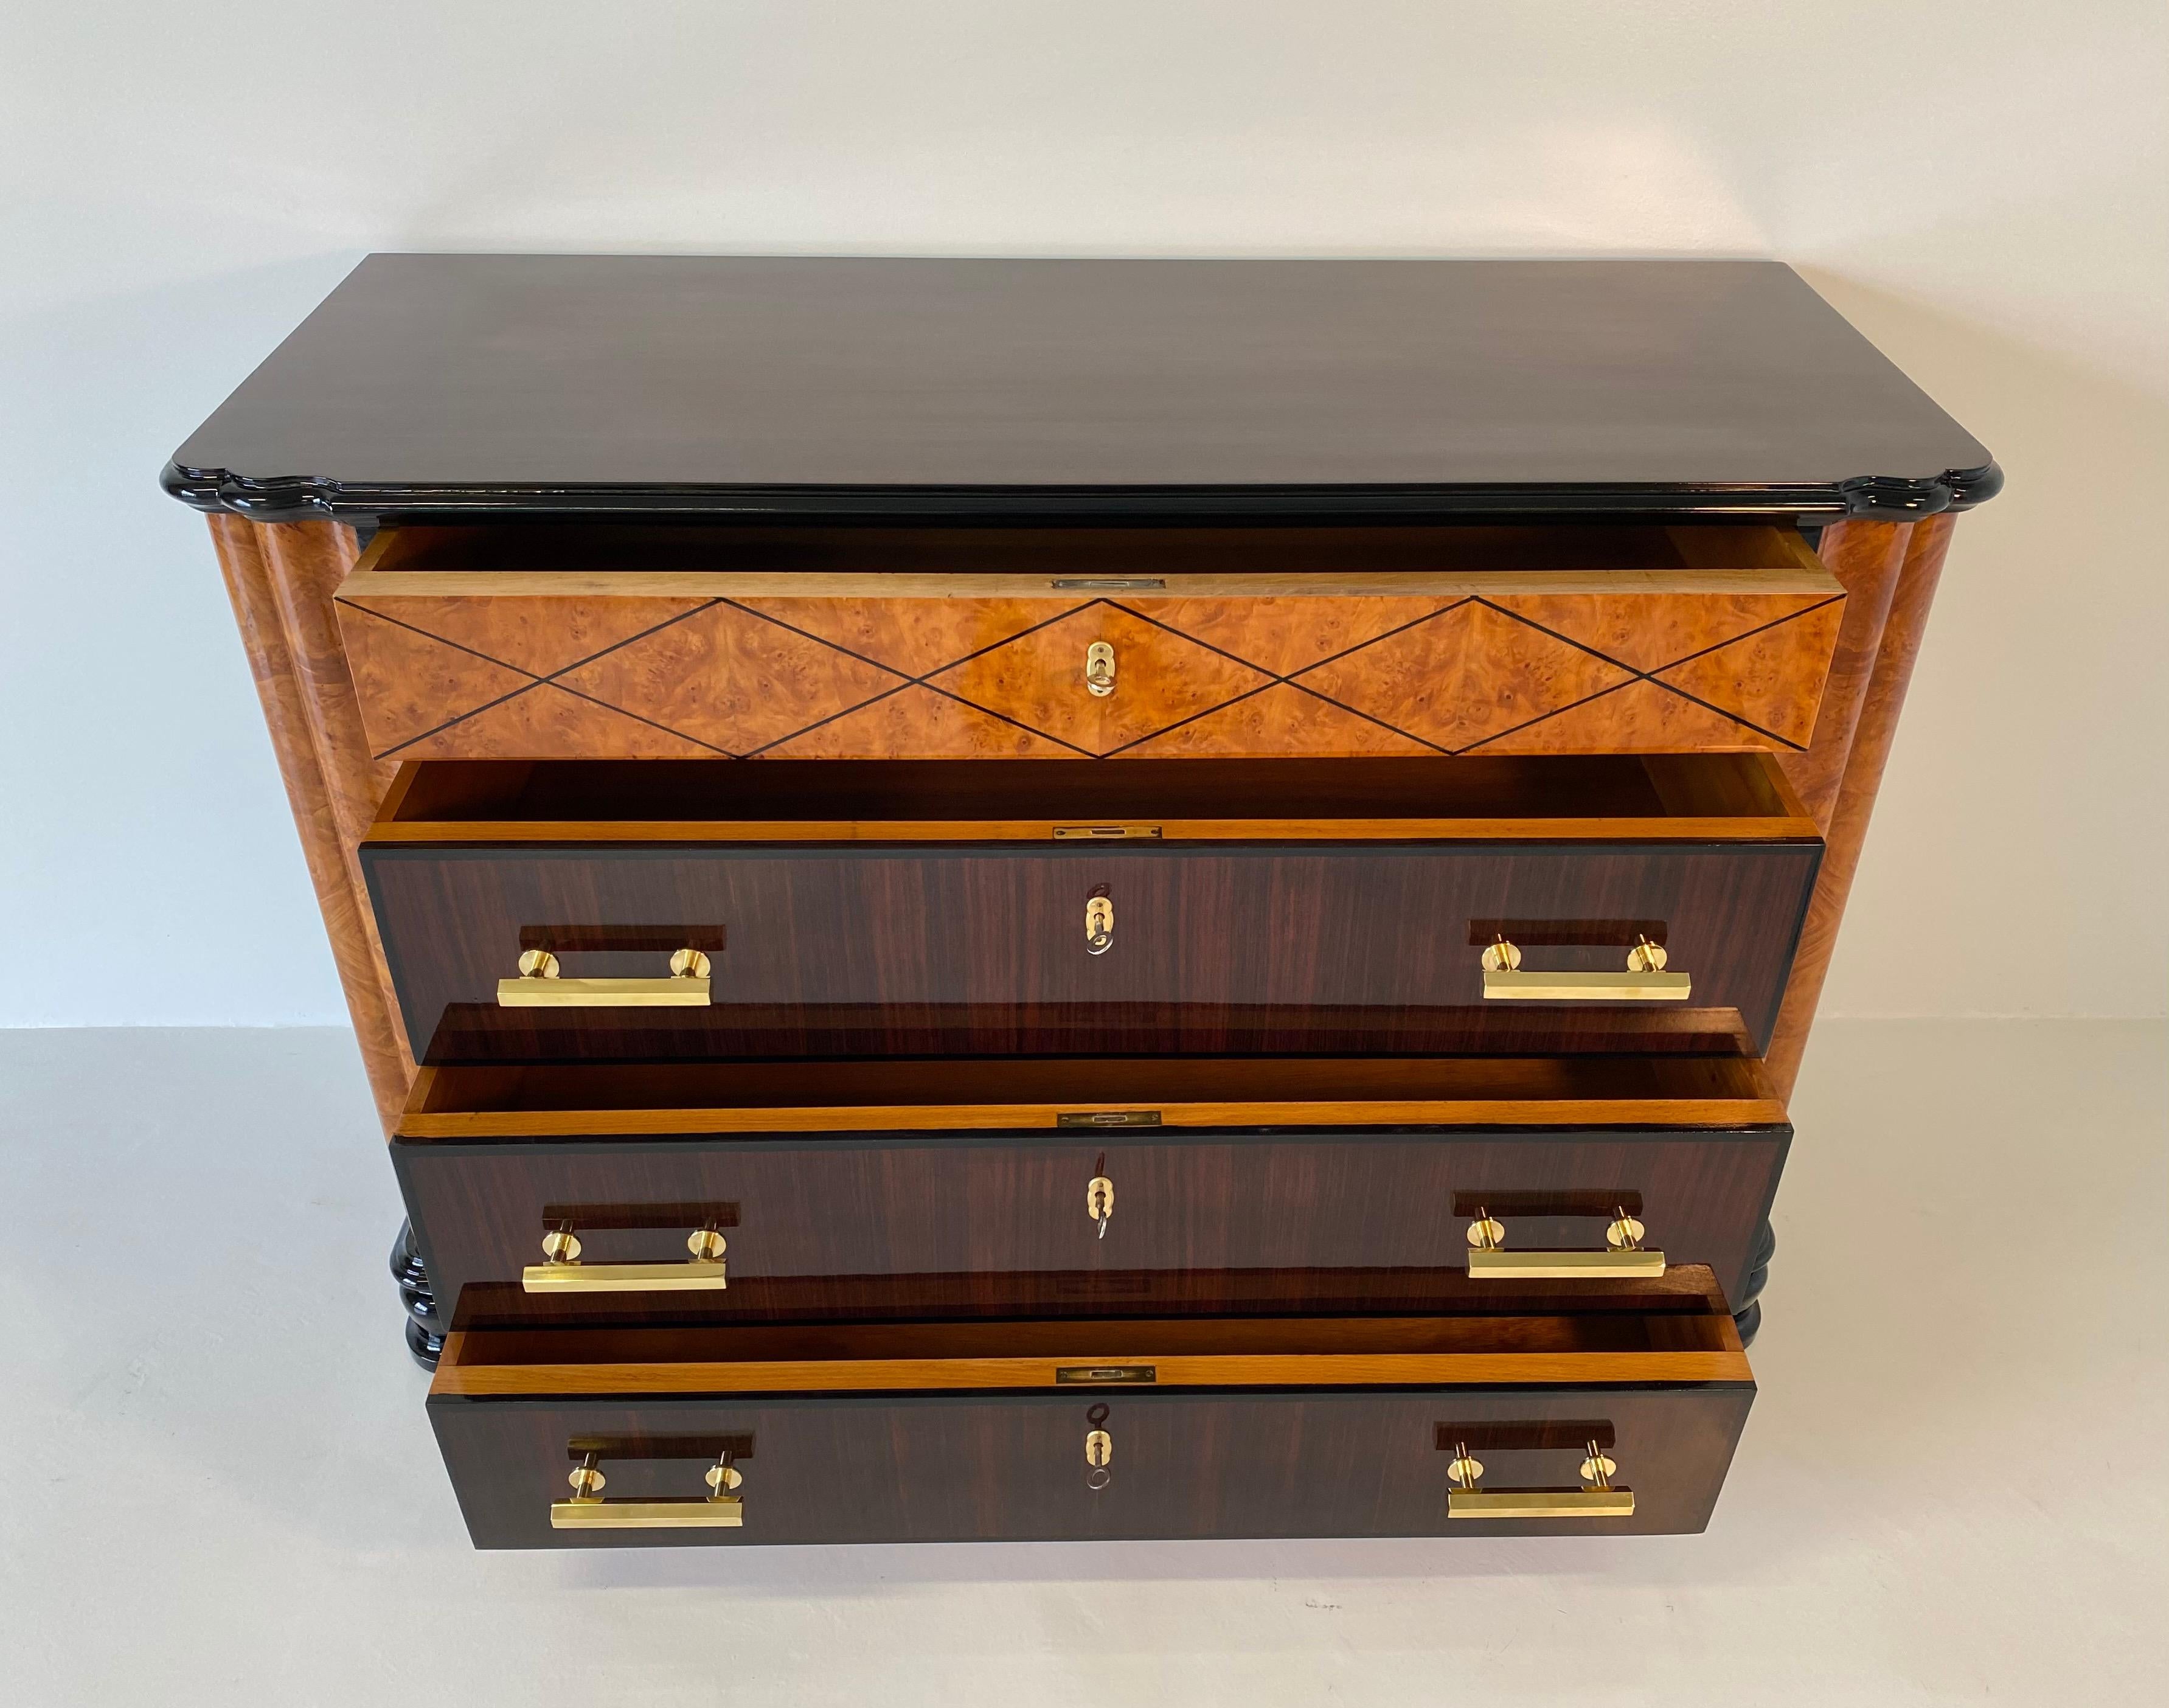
[[221, 1487]]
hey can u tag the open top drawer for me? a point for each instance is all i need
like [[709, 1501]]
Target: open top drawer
[[821, 642], [1618, 1418], [673, 910]]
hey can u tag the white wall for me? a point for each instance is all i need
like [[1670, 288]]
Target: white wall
[[1984, 188]]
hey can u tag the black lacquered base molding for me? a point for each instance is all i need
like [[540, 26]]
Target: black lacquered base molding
[[1747, 1316], [425, 1329]]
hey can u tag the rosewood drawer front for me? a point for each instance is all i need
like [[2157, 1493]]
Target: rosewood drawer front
[[1076, 1222], [1615, 1422], [1013, 936], [915, 643]]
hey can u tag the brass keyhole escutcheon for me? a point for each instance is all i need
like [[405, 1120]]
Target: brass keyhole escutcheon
[[1646, 956], [1098, 922], [1100, 670], [1502, 957], [1099, 1450], [1100, 1196]]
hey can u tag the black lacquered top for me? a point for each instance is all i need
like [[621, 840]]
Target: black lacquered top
[[448, 384]]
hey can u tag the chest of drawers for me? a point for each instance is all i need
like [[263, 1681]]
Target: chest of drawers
[[1344, 1095]]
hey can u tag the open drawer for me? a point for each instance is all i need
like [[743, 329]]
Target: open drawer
[[816, 641], [707, 909], [1618, 1418], [711, 1193]]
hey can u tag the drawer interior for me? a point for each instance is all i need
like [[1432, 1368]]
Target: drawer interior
[[1083, 1094], [1702, 796], [1677, 1329], [1036, 556]]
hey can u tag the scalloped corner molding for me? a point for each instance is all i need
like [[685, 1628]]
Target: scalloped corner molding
[[310, 498]]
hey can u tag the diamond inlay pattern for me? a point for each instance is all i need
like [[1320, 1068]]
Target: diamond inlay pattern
[[1463, 676], [1161, 678], [530, 675]]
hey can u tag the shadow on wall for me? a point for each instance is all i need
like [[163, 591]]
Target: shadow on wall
[[2017, 803]]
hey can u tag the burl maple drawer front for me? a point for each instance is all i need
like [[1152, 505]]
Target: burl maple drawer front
[[1343, 1428], [827, 643], [1069, 1221]]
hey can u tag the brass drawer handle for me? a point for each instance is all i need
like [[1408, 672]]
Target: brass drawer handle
[[561, 1270], [539, 986], [720, 1508], [1622, 1257], [1098, 922], [1644, 980], [1598, 1496], [1100, 670]]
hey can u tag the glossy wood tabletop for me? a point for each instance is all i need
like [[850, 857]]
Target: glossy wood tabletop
[[439, 384]]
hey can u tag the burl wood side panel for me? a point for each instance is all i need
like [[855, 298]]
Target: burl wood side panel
[[1920, 551], [532, 674], [1345, 926], [1011, 1468], [281, 580], [1009, 1211]]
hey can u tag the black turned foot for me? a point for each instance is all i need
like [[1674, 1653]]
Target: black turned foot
[[425, 1331], [1747, 1314]]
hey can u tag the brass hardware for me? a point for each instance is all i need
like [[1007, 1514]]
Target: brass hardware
[[1625, 1233], [720, 1508], [1098, 922], [564, 1272], [1099, 1453], [1502, 957], [1622, 1259], [1106, 833], [1100, 1200], [1107, 1118], [1100, 670], [539, 985], [1111, 584], [1644, 979], [1598, 1497], [1102, 1375]]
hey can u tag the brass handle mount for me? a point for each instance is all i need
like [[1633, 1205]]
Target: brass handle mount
[[1598, 1496], [541, 985], [1100, 670], [561, 1270], [1645, 979], [1622, 1257], [723, 1507]]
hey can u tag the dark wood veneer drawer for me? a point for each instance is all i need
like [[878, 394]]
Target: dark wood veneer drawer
[[1106, 1429], [1248, 905], [1071, 1222]]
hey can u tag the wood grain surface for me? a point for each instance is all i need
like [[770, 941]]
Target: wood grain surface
[[281, 580], [1345, 925], [455, 660], [1875, 728], [561, 1100], [1240, 1207], [1011, 1466]]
